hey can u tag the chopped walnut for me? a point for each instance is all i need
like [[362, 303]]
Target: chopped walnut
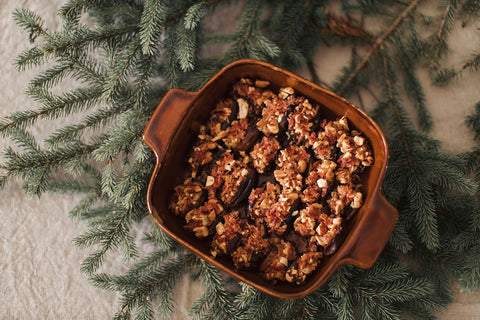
[[264, 152], [328, 228], [262, 199], [186, 197], [275, 265], [306, 264], [200, 219], [253, 248], [226, 234], [286, 92], [306, 222]]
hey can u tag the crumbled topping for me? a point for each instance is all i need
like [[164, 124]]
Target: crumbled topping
[[278, 215], [308, 218], [271, 183], [345, 195], [200, 219], [328, 228], [186, 197], [306, 264], [226, 233], [232, 182], [275, 265], [262, 200], [273, 114], [235, 133], [221, 116], [253, 248], [300, 121], [202, 154], [319, 181], [293, 157], [264, 152]]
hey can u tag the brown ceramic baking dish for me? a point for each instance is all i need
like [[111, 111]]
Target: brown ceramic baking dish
[[173, 127]]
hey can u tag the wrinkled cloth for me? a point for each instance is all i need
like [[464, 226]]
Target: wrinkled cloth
[[40, 274]]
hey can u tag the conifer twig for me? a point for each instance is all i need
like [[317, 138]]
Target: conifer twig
[[398, 119], [444, 20], [378, 42]]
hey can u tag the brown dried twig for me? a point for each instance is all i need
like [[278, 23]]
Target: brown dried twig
[[377, 44]]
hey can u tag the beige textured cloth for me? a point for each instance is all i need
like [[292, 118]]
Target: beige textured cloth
[[39, 266]]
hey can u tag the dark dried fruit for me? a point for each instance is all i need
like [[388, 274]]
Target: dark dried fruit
[[238, 185], [247, 142]]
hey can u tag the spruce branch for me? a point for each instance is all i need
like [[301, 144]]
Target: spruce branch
[[376, 45], [113, 233], [412, 84], [120, 70], [346, 28], [194, 15], [153, 20], [38, 164], [398, 113], [473, 63], [216, 302], [62, 43], [31, 22], [51, 76], [438, 43], [447, 20], [92, 121], [158, 284], [52, 107]]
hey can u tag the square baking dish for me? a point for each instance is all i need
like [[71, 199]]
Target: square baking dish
[[174, 126]]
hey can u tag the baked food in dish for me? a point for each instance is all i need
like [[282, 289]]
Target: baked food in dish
[[271, 181]]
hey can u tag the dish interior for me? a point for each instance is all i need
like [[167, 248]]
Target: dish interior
[[172, 169]]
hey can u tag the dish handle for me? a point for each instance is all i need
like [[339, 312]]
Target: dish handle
[[166, 119], [373, 233]]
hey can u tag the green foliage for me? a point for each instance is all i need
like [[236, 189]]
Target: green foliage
[[132, 52], [468, 241]]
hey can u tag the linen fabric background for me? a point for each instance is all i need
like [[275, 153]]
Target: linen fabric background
[[39, 265]]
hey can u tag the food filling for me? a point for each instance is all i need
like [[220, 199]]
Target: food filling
[[271, 183]]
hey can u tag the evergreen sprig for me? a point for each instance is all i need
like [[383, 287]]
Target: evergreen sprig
[[128, 56]]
